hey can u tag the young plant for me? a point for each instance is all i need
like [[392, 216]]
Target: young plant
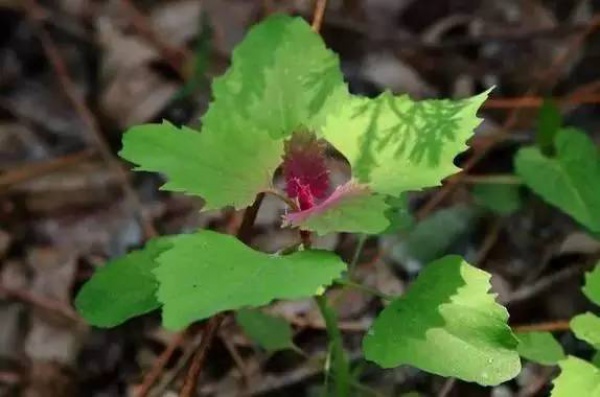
[[277, 107]]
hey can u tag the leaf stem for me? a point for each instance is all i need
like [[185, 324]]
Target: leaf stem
[[291, 203], [359, 248], [341, 367], [364, 288], [552, 326]]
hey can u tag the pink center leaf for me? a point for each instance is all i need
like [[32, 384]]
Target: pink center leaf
[[305, 170]]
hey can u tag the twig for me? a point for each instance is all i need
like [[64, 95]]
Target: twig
[[50, 305], [35, 14], [239, 361], [174, 56], [320, 6], [560, 325], [34, 170], [10, 378], [364, 288], [529, 291], [159, 365], [454, 181], [536, 101], [489, 242], [191, 379], [447, 387]]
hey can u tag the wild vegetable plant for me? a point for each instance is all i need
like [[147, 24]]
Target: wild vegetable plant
[[276, 109]]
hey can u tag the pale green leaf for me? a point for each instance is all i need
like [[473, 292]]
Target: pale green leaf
[[500, 198], [448, 324], [207, 272], [571, 180], [540, 347], [587, 328], [351, 208], [591, 289], [395, 144], [267, 93], [269, 332], [123, 288], [577, 378]]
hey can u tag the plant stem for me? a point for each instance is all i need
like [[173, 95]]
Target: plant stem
[[320, 6], [359, 248], [364, 288], [341, 367]]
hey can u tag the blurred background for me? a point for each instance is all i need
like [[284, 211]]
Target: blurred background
[[75, 74]]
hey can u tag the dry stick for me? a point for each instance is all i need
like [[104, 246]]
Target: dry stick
[[159, 365], [176, 57], [239, 361], [191, 379], [511, 120], [536, 102], [34, 170], [320, 6], [50, 305], [35, 14], [560, 325]]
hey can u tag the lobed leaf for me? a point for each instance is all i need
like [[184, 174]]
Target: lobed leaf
[[395, 144], [569, 181], [540, 347], [266, 94], [123, 288], [447, 324], [207, 272], [269, 332], [577, 378]]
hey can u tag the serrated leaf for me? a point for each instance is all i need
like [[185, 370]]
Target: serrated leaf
[[577, 378], [448, 324], [207, 272], [269, 332], [591, 289], [571, 180], [351, 208], [431, 238], [266, 94], [540, 347], [503, 199], [395, 144], [587, 328], [123, 288]]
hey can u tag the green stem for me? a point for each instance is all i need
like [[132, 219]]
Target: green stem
[[364, 288], [361, 244], [341, 367]]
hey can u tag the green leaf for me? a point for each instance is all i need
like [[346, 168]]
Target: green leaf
[[549, 123], [351, 208], [431, 238], [571, 180], [271, 333], [540, 347], [577, 378], [123, 288], [448, 324], [398, 214], [266, 94], [207, 272], [587, 328], [395, 144], [501, 198], [591, 289]]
